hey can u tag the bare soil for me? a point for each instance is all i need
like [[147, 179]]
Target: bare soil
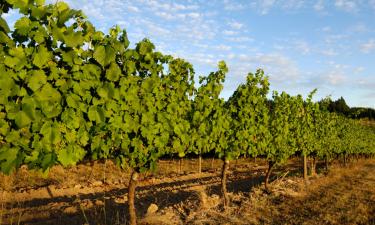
[[95, 193]]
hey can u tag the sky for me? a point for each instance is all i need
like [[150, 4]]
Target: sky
[[300, 44]]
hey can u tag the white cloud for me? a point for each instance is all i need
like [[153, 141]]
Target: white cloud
[[178, 16], [198, 31], [298, 46], [331, 77], [338, 74], [265, 6], [335, 38], [235, 25], [292, 4], [165, 15], [319, 5], [230, 32], [347, 5], [177, 7], [329, 52], [326, 29], [231, 56], [359, 70], [280, 67], [368, 47], [335, 77], [156, 5], [223, 47], [133, 8], [193, 15], [202, 59], [233, 6], [157, 30], [239, 39], [303, 47]]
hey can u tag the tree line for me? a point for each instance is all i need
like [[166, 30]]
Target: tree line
[[339, 106], [69, 92]]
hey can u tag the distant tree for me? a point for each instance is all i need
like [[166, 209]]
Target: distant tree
[[339, 106], [360, 112]]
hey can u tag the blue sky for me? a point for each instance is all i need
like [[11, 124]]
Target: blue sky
[[301, 44]]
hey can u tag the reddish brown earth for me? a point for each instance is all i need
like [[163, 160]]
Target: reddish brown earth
[[96, 194]]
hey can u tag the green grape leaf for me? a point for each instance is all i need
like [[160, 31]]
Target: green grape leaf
[[73, 39], [51, 109], [113, 72], [72, 100], [104, 55], [5, 39], [38, 12], [48, 93], [37, 80], [33, 157], [51, 133], [8, 159], [4, 127], [96, 114], [61, 6], [22, 26], [70, 155], [18, 3], [22, 119], [4, 25], [48, 161], [41, 57]]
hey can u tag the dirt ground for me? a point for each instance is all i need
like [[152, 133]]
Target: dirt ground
[[95, 193]]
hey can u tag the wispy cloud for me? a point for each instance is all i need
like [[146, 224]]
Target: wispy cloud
[[297, 45], [347, 5], [329, 52], [319, 5], [337, 74], [240, 39], [230, 32], [280, 67], [303, 47], [235, 25], [265, 6], [223, 47], [233, 6], [359, 28], [293, 4], [369, 46], [335, 77]]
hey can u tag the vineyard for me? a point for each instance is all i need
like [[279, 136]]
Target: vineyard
[[70, 94]]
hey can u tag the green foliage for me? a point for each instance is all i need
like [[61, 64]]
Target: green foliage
[[281, 140], [209, 118], [38, 85], [249, 117], [69, 92], [9, 159], [305, 123]]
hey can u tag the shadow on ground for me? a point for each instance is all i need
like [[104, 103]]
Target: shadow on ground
[[102, 207]]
